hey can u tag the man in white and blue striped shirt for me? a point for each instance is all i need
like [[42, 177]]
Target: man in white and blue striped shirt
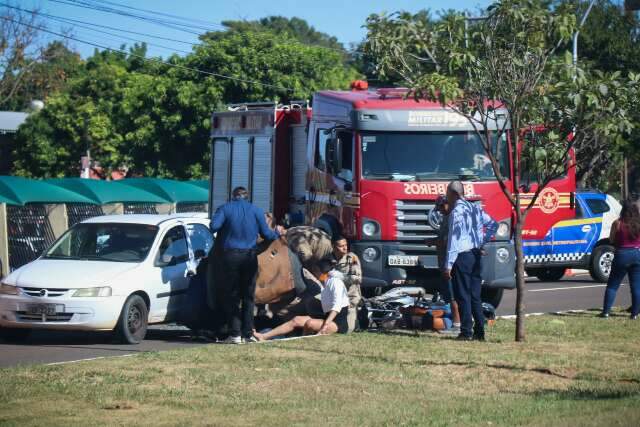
[[469, 229]]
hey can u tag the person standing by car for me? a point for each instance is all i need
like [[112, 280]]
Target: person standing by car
[[349, 265], [440, 242], [239, 223], [625, 237], [469, 229]]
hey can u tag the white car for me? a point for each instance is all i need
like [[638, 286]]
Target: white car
[[117, 272]]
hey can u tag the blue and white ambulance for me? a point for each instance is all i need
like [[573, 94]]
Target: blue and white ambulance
[[580, 243]]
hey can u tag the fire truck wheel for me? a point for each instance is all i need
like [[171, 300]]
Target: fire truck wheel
[[492, 295], [601, 261], [548, 274]]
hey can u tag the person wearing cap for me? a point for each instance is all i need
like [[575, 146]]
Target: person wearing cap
[[239, 223], [470, 228], [335, 305], [440, 242]]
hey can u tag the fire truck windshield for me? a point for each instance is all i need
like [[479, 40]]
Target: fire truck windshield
[[408, 156]]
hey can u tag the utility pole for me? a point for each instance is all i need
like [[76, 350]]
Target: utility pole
[[577, 33], [630, 6]]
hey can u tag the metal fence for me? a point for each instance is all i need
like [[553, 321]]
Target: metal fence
[[29, 233], [140, 208], [191, 207], [78, 212]]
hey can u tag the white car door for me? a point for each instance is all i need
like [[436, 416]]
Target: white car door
[[171, 275]]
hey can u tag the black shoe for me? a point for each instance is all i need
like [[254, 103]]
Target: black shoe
[[462, 337], [603, 315], [478, 337], [634, 317]]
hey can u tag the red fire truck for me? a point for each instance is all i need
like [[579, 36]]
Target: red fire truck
[[369, 165]]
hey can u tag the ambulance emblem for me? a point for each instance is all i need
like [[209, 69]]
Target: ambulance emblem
[[549, 200]]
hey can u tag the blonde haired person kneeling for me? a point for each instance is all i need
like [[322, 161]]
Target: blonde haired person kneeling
[[335, 305]]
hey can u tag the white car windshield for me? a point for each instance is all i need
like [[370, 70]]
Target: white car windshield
[[105, 242]]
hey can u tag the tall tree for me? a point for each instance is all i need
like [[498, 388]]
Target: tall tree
[[155, 119], [609, 41], [502, 72], [19, 51], [291, 28]]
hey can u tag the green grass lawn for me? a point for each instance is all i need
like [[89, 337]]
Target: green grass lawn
[[574, 370]]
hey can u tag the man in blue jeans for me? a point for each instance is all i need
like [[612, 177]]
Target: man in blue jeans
[[469, 229], [239, 223]]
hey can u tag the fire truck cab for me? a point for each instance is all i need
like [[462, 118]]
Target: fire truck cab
[[369, 165]]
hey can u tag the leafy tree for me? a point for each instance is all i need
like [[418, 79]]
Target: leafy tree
[[503, 74], [155, 119], [291, 28], [608, 41]]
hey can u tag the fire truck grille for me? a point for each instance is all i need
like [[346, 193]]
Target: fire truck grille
[[412, 224]]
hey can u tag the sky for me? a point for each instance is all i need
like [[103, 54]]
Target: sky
[[340, 18]]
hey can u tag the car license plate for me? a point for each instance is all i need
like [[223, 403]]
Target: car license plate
[[403, 260], [47, 309]]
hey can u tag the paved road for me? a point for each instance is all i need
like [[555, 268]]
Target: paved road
[[578, 292]]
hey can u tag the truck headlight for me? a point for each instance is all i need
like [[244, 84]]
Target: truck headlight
[[370, 254], [370, 228], [504, 230], [105, 291], [502, 254], [7, 289]]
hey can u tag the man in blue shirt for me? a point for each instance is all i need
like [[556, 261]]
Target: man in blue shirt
[[469, 229], [239, 223]]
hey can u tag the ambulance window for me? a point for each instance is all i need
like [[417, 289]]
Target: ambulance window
[[579, 210], [321, 149], [598, 206]]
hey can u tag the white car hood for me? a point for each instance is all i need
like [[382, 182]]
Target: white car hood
[[56, 273]]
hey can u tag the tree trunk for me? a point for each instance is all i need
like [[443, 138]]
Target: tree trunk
[[520, 283]]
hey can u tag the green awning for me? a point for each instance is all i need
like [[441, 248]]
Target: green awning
[[173, 191], [203, 183], [19, 191], [107, 191]]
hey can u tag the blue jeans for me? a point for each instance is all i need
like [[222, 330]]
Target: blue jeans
[[626, 261], [467, 282]]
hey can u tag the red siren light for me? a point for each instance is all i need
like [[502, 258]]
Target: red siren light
[[357, 85]]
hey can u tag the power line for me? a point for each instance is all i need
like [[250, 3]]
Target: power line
[[96, 7], [171, 24], [77, 21], [160, 13], [81, 23], [152, 60], [120, 36]]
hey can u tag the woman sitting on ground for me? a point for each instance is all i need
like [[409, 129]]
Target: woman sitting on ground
[[335, 305], [625, 236]]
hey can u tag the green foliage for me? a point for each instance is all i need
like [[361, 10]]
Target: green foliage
[[155, 119], [512, 55], [292, 28]]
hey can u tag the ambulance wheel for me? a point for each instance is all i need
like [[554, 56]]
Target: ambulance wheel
[[548, 274], [492, 295], [601, 261]]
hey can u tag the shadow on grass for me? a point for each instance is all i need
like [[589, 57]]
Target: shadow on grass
[[588, 394], [421, 363]]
